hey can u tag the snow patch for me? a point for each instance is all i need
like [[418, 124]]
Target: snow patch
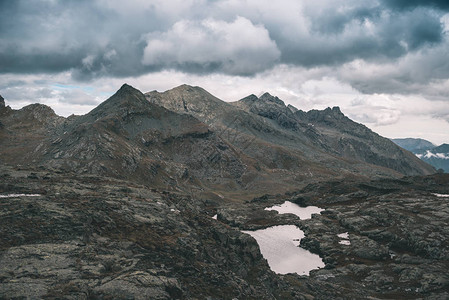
[[344, 239], [436, 155], [215, 217], [19, 195], [429, 154], [442, 155], [441, 195], [292, 208], [279, 245], [344, 235]]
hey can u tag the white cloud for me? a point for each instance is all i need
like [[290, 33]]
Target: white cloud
[[237, 47]]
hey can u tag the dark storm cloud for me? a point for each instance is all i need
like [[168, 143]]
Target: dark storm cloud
[[363, 34], [410, 4], [55, 36], [91, 39]]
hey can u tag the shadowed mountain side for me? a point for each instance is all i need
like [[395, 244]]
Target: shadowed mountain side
[[353, 140]]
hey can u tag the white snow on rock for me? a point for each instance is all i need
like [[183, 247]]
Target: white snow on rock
[[441, 195], [344, 235], [19, 195], [344, 239], [437, 155]]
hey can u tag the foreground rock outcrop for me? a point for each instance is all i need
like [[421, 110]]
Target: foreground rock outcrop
[[84, 236], [65, 236]]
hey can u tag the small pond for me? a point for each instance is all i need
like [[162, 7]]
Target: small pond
[[279, 245], [302, 212]]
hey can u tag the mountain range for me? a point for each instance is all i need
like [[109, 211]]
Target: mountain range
[[149, 196], [437, 156], [187, 138]]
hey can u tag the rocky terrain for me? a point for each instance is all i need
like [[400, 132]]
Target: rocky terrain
[[83, 236], [120, 203], [393, 240]]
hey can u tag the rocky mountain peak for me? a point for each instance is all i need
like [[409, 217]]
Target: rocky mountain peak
[[269, 98], [249, 99], [185, 88], [323, 115], [188, 99], [38, 111], [336, 110], [126, 91], [442, 148], [125, 101], [2, 102]]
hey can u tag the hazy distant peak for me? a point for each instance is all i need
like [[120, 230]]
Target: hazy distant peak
[[442, 148], [414, 144]]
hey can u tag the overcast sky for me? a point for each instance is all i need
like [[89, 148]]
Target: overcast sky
[[384, 62]]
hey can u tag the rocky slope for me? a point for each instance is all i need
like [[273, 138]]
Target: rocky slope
[[77, 237], [327, 137]]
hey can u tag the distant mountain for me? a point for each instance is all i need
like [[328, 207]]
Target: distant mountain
[[414, 145], [437, 156]]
